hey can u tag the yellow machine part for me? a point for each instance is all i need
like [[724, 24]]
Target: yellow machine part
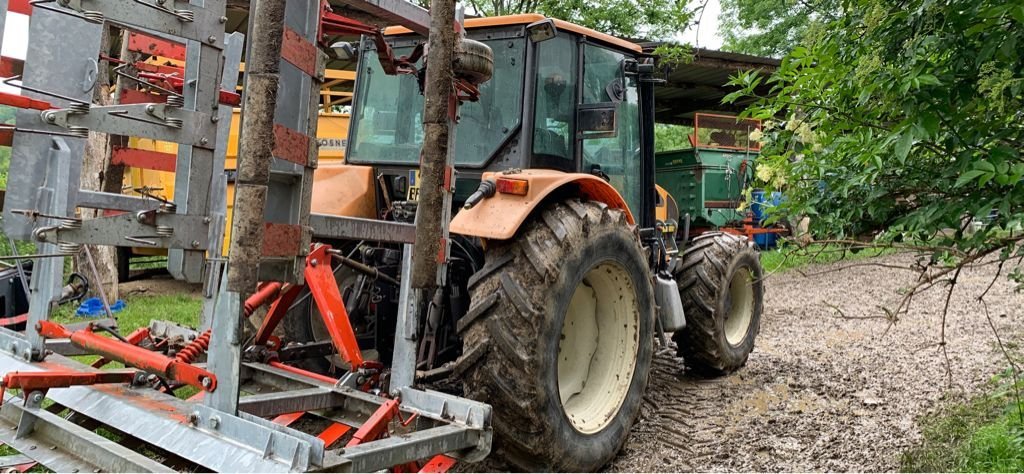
[[352, 190]]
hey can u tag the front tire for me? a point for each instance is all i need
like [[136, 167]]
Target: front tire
[[720, 282], [559, 337]]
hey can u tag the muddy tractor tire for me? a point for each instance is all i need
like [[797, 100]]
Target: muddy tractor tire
[[720, 282], [559, 336]]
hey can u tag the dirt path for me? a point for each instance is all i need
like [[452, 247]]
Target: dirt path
[[823, 393]]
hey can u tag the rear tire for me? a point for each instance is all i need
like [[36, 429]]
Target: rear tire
[[567, 306], [720, 282]]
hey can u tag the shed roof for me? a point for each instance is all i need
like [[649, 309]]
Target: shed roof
[[699, 86]]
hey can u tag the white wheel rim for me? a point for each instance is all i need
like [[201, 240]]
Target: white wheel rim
[[741, 308], [597, 353]]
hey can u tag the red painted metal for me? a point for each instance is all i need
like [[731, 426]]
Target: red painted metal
[[266, 292], [131, 355], [19, 6], [288, 418], [145, 159], [22, 102], [291, 145], [324, 288], [332, 24], [299, 52], [333, 433], [439, 463], [377, 425], [11, 66], [14, 320], [276, 313], [281, 240], [6, 136], [304, 373], [29, 382], [174, 81], [134, 96], [143, 66], [135, 338], [141, 43]]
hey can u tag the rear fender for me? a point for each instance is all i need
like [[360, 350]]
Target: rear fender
[[500, 216]]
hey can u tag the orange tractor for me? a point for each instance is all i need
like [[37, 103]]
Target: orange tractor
[[568, 262]]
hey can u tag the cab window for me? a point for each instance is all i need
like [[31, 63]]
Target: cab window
[[555, 104], [613, 154]]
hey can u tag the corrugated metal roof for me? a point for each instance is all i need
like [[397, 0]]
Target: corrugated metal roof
[[699, 86]]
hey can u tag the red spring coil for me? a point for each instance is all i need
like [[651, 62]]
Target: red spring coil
[[194, 349]]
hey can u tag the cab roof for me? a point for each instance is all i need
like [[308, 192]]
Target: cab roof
[[527, 18]]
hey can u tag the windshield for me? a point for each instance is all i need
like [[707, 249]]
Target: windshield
[[388, 113]]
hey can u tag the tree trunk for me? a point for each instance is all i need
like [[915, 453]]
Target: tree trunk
[[94, 163], [433, 159]]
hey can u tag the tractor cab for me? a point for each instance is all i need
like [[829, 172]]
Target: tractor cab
[[562, 97]]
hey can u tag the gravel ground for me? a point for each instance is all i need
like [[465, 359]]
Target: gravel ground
[[821, 392]]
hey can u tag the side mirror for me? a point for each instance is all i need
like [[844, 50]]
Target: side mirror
[[598, 120], [541, 30]]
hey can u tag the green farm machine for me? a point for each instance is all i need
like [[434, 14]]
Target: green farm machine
[[710, 179]]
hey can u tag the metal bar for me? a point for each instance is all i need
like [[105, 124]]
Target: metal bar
[[140, 15], [131, 230], [388, 452], [354, 228], [47, 272], [15, 460], [135, 120], [228, 443], [119, 202], [403, 363], [66, 447], [145, 159], [397, 12], [324, 288], [196, 166], [277, 403]]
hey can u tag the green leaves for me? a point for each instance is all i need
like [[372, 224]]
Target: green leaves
[[915, 110], [903, 145]]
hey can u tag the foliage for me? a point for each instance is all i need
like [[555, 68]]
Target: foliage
[[671, 137], [651, 19], [983, 435], [773, 27], [904, 117]]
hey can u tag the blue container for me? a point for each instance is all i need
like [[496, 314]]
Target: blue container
[[766, 241], [762, 207], [93, 307]]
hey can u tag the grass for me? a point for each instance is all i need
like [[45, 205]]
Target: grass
[[183, 309], [788, 257], [985, 434]]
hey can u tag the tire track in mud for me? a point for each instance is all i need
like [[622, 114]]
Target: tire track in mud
[[821, 392]]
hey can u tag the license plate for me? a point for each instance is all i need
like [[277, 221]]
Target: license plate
[[414, 186]]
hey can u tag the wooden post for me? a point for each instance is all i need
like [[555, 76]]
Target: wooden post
[[437, 94], [255, 153], [94, 163]]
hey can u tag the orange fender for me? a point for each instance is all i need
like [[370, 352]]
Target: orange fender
[[499, 216], [344, 190]]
